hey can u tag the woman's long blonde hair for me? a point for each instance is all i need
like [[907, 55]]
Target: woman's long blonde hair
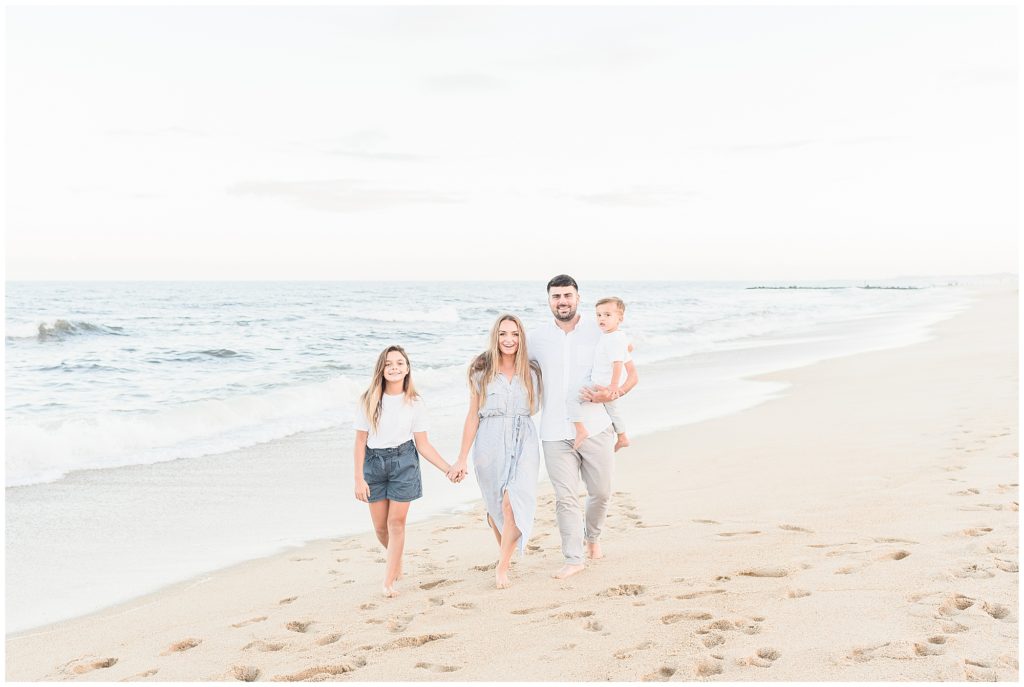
[[371, 398], [484, 367]]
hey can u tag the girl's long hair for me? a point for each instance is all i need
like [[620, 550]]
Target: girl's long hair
[[484, 367], [371, 398]]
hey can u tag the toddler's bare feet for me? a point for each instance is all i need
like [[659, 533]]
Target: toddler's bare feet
[[623, 442], [581, 436], [568, 571], [594, 550]]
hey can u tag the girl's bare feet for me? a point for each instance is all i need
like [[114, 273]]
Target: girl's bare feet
[[594, 550], [568, 571], [389, 590], [623, 442]]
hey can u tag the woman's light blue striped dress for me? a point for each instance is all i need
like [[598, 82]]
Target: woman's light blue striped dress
[[506, 453]]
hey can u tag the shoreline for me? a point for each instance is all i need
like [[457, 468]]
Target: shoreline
[[732, 375], [658, 557]]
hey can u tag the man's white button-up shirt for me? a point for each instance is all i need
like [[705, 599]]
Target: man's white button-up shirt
[[565, 361]]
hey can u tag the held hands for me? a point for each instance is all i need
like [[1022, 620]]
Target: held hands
[[362, 490], [457, 473]]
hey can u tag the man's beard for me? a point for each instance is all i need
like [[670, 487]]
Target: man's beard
[[565, 318]]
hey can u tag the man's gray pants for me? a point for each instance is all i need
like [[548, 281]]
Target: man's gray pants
[[593, 462]]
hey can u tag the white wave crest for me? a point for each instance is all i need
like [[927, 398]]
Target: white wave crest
[[47, 451]]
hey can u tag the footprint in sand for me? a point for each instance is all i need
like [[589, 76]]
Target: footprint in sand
[[367, 606], [438, 583], [724, 625], [736, 534], [763, 658], [405, 642], [527, 611], [250, 621], [83, 668], [593, 626], [183, 645], [436, 601], [263, 646], [697, 595], [973, 570], [572, 615], [1007, 566], [298, 625], [895, 555], [301, 560], [672, 618], [322, 673], [997, 611], [465, 606], [707, 522], [485, 568], [797, 593], [146, 673], [329, 639], [794, 528], [707, 667], [767, 571], [623, 590], [437, 668], [245, 673], [284, 602], [628, 653], [975, 531], [713, 640], [398, 624], [954, 604], [662, 674]]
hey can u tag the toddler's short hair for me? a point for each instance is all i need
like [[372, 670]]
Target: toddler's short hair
[[618, 302]]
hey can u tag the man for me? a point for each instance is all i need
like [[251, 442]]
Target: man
[[564, 348]]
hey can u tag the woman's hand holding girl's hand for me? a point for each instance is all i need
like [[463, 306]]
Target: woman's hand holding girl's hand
[[458, 471], [362, 490]]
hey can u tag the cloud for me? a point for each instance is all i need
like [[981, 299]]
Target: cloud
[[341, 195], [164, 131], [467, 81], [636, 196], [387, 157]]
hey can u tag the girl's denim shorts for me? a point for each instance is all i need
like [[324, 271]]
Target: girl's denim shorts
[[393, 473]]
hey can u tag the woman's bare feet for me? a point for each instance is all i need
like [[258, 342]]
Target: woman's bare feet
[[501, 580], [594, 550], [623, 442], [568, 571], [389, 590]]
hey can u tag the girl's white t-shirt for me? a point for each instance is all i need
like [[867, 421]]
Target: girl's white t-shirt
[[398, 420]]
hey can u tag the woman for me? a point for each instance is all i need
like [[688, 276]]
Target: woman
[[505, 389]]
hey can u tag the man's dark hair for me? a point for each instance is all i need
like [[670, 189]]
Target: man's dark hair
[[563, 280]]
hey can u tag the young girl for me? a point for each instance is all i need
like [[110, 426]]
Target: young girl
[[391, 427], [505, 390]]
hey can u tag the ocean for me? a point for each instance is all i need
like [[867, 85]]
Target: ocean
[[156, 431]]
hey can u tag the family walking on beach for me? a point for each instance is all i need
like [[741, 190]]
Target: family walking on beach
[[573, 370]]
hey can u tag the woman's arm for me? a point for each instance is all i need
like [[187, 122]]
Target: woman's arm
[[358, 456], [427, 450]]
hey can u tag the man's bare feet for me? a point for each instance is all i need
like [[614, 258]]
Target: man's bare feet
[[568, 571], [581, 436], [623, 442], [594, 550]]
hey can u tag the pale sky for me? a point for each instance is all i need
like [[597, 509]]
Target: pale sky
[[510, 143]]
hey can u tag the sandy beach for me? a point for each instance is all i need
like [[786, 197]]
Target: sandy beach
[[862, 526]]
